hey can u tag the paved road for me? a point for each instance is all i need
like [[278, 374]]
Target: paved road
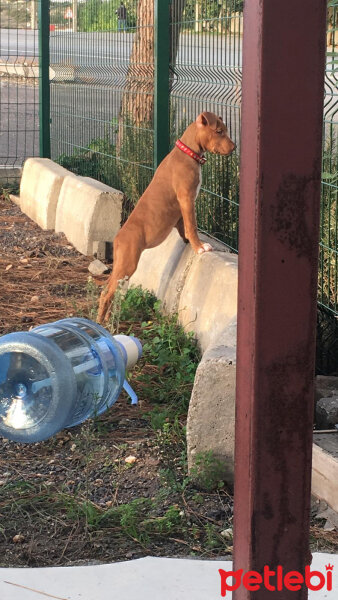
[[85, 110], [19, 132], [91, 49]]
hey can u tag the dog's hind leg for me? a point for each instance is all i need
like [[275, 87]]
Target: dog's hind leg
[[125, 263]]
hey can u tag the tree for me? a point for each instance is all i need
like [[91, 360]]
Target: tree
[[138, 99]]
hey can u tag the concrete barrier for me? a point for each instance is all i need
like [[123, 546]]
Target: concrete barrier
[[211, 416], [203, 290], [9, 174], [88, 213], [40, 187], [22, 66], [208, 300]]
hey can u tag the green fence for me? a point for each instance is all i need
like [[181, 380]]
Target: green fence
[[206, 75], [117, 106], [125, 82], [102, 92], [19, 90], [328, 255], [121, 95]]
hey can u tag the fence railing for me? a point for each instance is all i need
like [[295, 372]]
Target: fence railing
[[123, 86], [206, 72], [328, 251], [102, 93]]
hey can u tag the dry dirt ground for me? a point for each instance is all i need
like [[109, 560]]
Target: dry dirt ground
[[75, 498]]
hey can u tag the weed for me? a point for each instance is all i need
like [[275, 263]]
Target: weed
[[170, 355], [172, 448], [213, 539], [168, 524], [92, 294], [11, 188], [208, 471], [139, 305], [175, 355]]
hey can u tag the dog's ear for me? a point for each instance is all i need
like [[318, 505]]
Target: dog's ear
[[220, 119], [202, 120]]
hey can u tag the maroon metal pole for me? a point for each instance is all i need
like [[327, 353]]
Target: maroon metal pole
[[283, 75]]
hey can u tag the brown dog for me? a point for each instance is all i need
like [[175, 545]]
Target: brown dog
[[168, 202]]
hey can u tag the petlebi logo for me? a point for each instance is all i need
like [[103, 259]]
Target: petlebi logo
[[276, 580]]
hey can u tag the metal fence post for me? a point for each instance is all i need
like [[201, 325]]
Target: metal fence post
[[44, 89], [278, 253], [161, 80]]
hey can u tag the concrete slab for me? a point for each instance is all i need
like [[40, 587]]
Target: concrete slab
[[202, 288], [21, 66], [88, 212], [40, 188], [163, 269], [209, 296], [165, 578], [211, 415]]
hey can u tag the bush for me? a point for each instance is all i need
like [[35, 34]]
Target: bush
[[96, 15]]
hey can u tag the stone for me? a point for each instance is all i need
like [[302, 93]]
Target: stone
[[98, 268], [327, 412], [325, 386]]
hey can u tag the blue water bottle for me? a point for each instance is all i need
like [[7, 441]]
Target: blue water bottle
[[60, 374]]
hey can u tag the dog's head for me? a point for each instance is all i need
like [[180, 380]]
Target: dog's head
[[212, 135]]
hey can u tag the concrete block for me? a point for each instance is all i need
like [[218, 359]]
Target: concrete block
[[162, 270], [203, 290], [88, 212], [209, 296], [211, 416], [325, 475], [15, 199], [63, 72], [40, 188]]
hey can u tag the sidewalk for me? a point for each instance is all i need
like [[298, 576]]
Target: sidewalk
[[160, 578]]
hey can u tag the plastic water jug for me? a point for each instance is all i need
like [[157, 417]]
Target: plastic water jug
[[60, 374]]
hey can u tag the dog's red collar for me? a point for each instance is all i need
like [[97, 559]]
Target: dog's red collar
[[200, 159]]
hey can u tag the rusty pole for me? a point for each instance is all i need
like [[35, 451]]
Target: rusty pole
[[283, 75]]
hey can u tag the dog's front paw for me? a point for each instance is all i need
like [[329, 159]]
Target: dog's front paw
[[204, 248]]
